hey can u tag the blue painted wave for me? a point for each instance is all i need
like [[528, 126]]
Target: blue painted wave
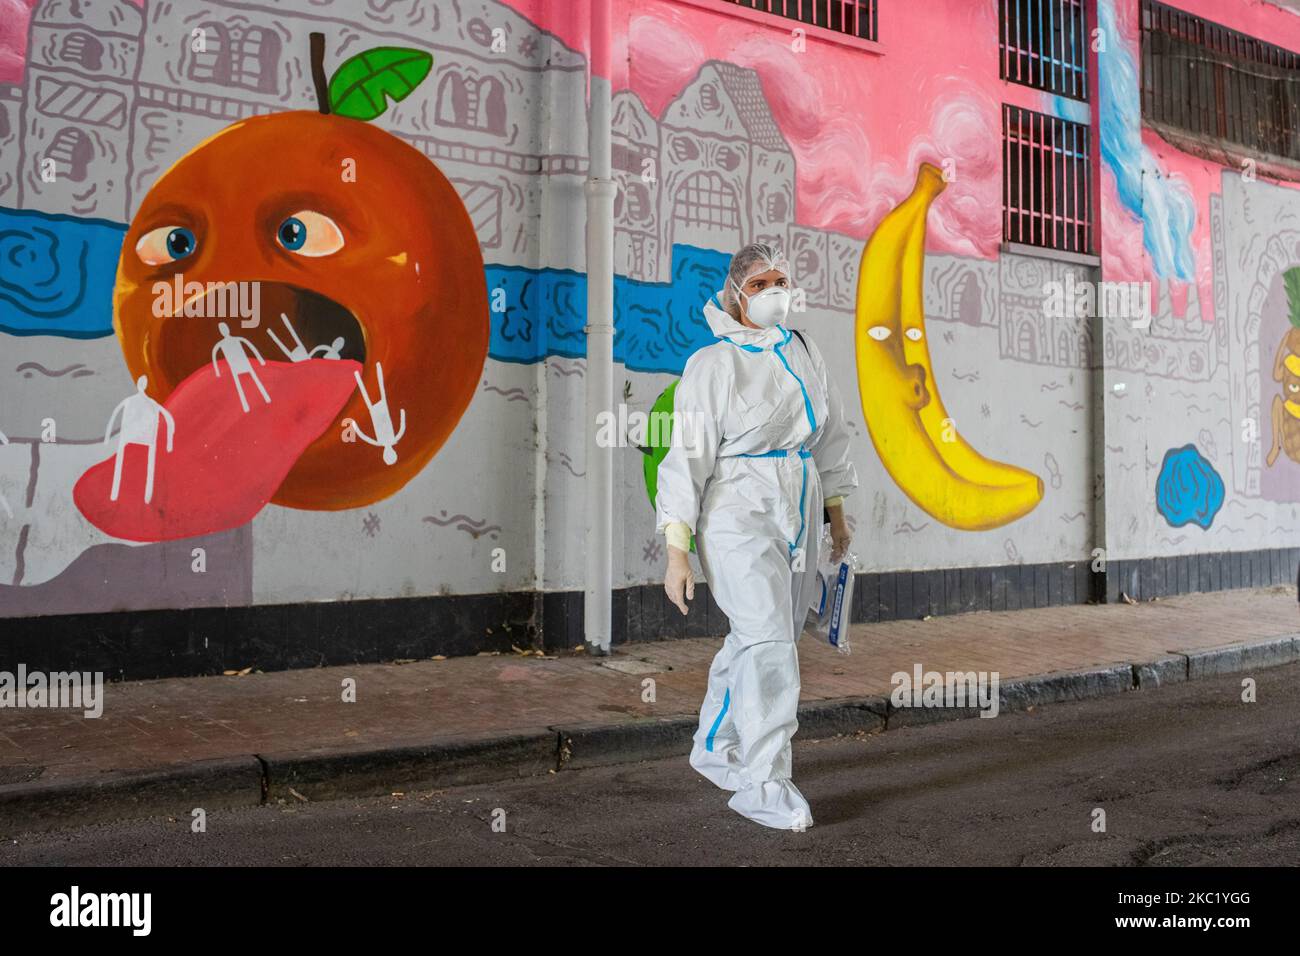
[[58, 274], [657, 325]]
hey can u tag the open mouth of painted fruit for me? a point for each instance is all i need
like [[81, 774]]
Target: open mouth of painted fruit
[[250, 375], [285, 323]]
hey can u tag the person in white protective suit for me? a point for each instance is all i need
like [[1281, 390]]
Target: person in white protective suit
[[764, 446]]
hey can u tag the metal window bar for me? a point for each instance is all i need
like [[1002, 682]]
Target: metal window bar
[[855, 18], [1044, 44], [1046, 181], [1209, 81]]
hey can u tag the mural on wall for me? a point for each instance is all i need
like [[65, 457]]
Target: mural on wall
[[737, 152], [336, 238], [363, 358], [1144, 188], [1213, 243], [742, 138], [1257, 242], [916, 438], [338, 241], [983, 310], [1286, 372]]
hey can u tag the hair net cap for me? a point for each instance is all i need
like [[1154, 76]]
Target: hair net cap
[[751, 260]]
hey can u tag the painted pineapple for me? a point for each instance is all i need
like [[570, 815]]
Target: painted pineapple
[[1286, 369]]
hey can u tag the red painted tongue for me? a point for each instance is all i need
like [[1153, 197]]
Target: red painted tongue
[[226, 464]]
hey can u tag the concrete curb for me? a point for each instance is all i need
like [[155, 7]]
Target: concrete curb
[[448, 762], [221, 784], [596, 744], [845, 715], [1170, 669], [1240, 657], [324, 775]]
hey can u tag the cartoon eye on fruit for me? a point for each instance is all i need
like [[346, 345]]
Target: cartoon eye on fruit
[[1286, 371], [351, 244], [911, 429]]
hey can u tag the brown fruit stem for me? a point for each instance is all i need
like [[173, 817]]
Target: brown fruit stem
[[318, 72]]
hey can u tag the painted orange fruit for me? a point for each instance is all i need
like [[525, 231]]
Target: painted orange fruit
[[338, 230]]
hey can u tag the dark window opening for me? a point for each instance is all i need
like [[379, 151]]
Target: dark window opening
[[855, 18], [1213, 83]]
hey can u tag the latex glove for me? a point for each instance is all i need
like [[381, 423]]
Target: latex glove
[[679, 581], [841, 537]]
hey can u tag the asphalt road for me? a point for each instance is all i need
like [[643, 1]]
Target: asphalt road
[[1186, 775]]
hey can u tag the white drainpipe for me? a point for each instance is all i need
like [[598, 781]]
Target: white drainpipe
[[600, 190]]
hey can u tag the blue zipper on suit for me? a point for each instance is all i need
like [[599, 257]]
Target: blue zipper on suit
[[807, 402], [803, 453]]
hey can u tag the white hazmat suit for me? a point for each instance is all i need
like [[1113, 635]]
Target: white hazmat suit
[[766, 442]]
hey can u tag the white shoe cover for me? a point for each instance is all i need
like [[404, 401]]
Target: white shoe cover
[[773, 803], [719, 766]]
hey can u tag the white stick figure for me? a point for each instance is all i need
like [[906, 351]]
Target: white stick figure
[[231, 348], [332, 351], [381, 418], [299, 351], [4, 503], [139, 427]]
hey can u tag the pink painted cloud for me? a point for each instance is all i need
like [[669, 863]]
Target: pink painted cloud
[[857, 134], [14, 17]]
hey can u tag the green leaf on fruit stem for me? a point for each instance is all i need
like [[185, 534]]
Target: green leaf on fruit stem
[[361, 86]]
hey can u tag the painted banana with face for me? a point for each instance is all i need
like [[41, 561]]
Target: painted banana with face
[[913, 433]]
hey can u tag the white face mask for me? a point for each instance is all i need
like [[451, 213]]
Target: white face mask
[[767, 308]]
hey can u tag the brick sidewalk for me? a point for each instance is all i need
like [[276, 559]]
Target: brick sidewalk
[[165, 723]]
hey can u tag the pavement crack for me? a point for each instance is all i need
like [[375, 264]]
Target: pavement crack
[[266, 779], [563, 750]]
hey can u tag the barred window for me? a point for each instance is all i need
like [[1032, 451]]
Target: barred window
[[254, 59], [470, 103], [248, 58], [1045, 44], [213, 61], [1205, 80], [706, 199], [855, 18], [1046, 181]]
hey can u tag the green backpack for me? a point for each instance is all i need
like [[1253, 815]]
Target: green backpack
[[655, 451]]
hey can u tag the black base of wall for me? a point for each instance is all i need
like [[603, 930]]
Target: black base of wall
[[645, 614], [1149, 578], [142, 645]]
